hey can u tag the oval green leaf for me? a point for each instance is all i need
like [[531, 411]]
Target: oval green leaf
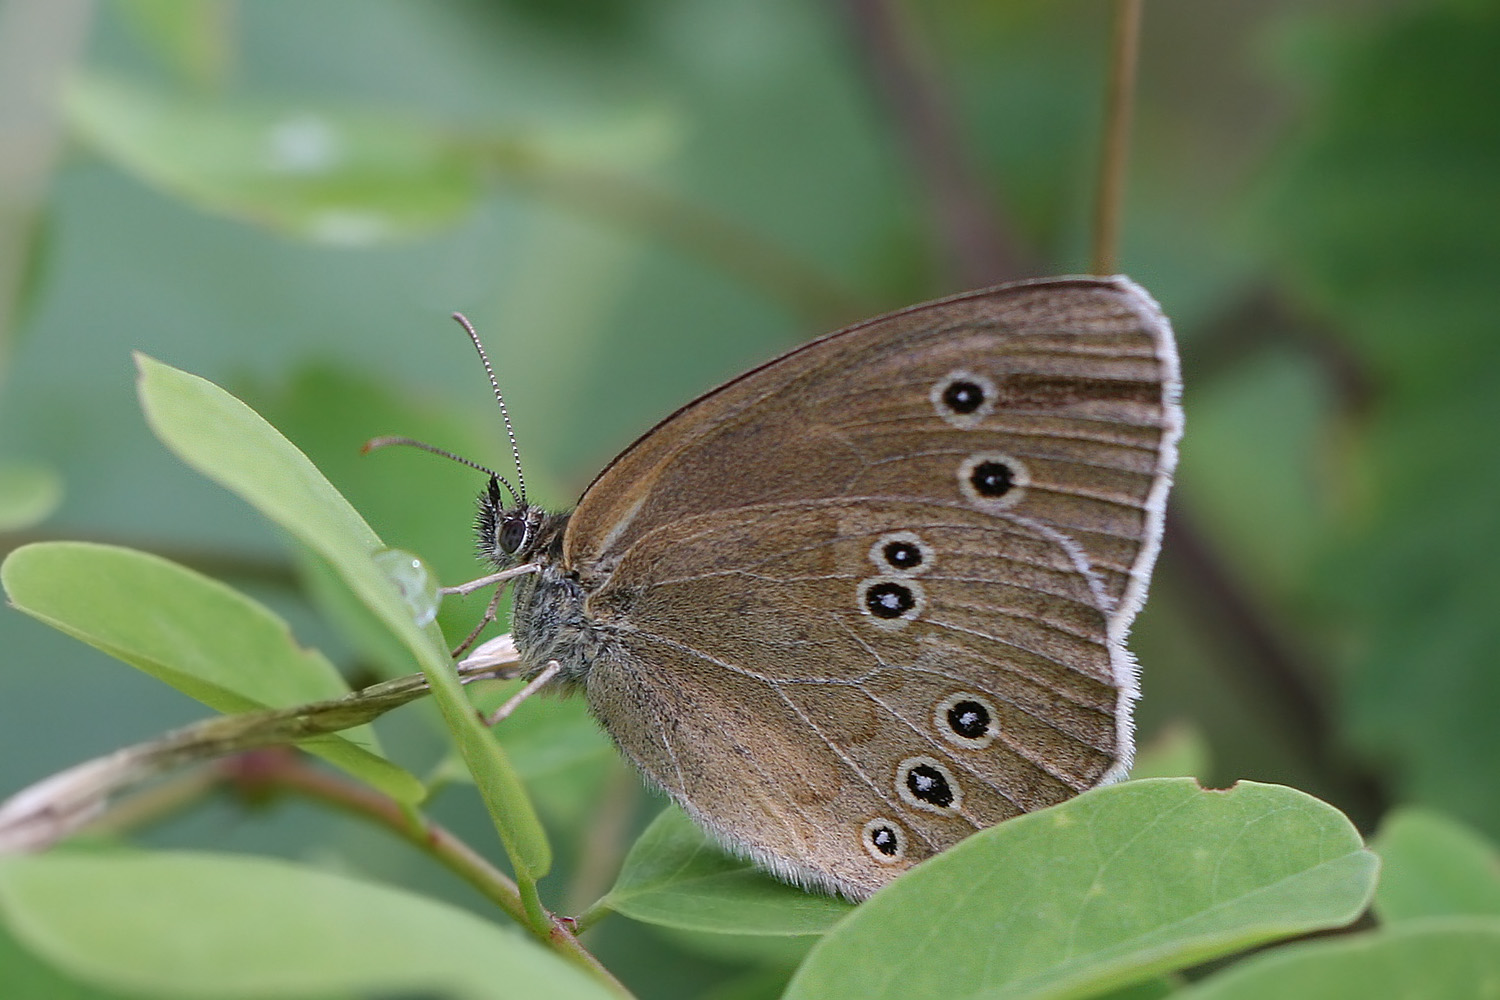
[[676, 877], [1108, 889], [206, 925], [27, 977], [1442, 958], [203, 638], [341, 177], [1432, 866], [231, 444]]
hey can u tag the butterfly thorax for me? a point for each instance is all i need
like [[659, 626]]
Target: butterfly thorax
[[548, 619]]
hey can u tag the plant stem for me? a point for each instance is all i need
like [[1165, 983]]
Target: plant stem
[[588, 918], [534, 914], [286, 771], [56, 806], [1120, 104]]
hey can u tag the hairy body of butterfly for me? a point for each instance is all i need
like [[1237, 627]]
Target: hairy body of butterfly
[[872, 596]]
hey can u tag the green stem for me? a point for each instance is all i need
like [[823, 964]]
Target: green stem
[[591, 916], [538, 920]]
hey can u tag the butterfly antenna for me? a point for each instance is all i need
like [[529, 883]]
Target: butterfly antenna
[[383, 442], [510, 431]]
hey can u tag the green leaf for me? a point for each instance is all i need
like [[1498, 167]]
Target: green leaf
[[1149, 989], [29, 492], [343, 176], [229, 443], [413, 500], [331, 176], [1432, 866], [1437, 958], [203, 638], [676, 877], [356, 623], [27, 977], [1105, 890], [205, 925]]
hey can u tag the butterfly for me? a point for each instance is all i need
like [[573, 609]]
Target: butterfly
[[871, 596]]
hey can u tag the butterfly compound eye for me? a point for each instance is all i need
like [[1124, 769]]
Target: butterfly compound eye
[[513, 532]]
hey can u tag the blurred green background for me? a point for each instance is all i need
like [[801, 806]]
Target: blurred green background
[[635, 201]]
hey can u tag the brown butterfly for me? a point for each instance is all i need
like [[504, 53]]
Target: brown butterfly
[[872, 596]]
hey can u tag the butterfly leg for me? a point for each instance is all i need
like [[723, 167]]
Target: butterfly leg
[[533, 686], [485, 581], [490, 610]]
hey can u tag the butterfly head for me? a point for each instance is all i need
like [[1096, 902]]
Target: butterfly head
[[509, 535]]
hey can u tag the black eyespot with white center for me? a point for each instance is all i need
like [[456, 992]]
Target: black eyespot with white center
[[969, 719], [884, 840], [890, 602], [992, 481], [926, 783], [929, 785], [901, 553], [962, 397], [966, 719]]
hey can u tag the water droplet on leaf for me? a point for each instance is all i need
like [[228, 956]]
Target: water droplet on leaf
[[414, 581]]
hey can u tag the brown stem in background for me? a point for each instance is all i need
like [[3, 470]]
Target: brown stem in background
[[263, 773], [969, 232], [1120, 105]]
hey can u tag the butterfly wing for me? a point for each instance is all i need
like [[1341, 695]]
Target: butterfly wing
[[872, 596]]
